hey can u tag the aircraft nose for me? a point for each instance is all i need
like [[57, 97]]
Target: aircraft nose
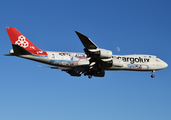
[[165, 64]]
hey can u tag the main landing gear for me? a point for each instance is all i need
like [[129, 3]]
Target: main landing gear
[[152, 76], [88, 73], [91, 73]]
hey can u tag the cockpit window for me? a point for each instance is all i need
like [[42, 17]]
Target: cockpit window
[[156, 57]]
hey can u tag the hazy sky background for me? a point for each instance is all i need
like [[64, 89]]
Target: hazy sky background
[[29, 92]]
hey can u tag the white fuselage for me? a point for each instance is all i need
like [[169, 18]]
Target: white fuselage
[[128, 62]]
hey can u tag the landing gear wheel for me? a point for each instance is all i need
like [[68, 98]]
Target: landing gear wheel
[[152, 76], [90, 76]]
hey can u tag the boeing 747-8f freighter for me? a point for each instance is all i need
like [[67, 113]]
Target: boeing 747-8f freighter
[[94, 62]]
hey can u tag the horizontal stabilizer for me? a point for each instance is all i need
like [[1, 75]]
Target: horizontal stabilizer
[[9, 55]]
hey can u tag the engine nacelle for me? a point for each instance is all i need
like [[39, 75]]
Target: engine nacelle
[[102, 53], [106, 62], [112, 62], [117, 62], [105, 53]]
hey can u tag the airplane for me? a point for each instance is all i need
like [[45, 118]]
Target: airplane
[[94, 62]]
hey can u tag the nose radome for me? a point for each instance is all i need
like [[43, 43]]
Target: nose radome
[[165, 64]]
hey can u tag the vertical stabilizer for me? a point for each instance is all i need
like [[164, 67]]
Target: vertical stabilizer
[[18, 39]]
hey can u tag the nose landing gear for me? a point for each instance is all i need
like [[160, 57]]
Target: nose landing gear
[[152, 76]]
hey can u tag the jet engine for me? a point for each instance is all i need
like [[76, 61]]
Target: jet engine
[[102, 53], [106, 62], [117, 63], [111, 62]]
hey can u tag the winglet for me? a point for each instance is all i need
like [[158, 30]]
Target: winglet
[[86, 41]]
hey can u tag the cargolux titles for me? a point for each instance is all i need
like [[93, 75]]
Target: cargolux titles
[[133, 60]]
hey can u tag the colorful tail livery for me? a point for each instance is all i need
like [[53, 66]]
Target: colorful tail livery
[[19, 41], [93, 62]]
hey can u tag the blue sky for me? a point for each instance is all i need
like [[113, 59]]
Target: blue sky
[[29, 92]]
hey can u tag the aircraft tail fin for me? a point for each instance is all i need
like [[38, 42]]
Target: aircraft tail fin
[[21, 45]]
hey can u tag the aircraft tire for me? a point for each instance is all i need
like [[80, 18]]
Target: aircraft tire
[[152, 76], [90, 76]]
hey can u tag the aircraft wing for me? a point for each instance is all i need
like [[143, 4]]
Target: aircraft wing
[[99, 58]]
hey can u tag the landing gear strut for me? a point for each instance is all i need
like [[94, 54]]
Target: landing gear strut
[[89, 70], [152, 76], [88, 73]]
